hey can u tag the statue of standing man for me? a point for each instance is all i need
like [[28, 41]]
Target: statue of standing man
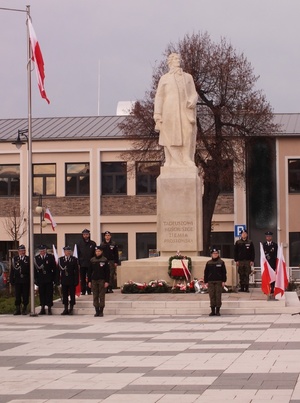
[[175, 114]]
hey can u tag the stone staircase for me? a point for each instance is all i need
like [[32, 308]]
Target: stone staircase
[[185, 304]]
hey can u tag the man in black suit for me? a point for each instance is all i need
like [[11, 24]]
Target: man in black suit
[[270, 249], [45, 275], [20, 279], [69, 279]]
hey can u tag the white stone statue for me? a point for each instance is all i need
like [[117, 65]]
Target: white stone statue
[[175, 114]]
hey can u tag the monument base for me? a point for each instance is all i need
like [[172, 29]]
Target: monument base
[[179, 211], [156, 268]]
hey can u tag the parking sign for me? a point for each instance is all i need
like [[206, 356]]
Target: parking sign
[[238, 229]]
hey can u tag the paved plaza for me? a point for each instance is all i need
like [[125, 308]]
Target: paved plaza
[[147, 359]]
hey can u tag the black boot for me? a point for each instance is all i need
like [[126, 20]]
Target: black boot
[[65, 311], [213, 311], [18, 310], [49, 310], [24, 310], [246, 288], [97, 312], [71, 310], [101, 311], [42, 311], [218, 311], [242, 289]]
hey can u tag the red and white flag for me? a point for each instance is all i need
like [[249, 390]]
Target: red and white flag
[[55, 254], [267, 273], [282, 281], [37, 57], [49, 217], [78, 287]]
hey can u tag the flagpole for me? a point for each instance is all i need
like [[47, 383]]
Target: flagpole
[[29, 179]]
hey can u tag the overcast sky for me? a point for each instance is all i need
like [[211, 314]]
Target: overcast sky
[[123, 39]]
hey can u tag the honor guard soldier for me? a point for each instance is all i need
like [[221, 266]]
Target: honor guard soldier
[[215, 276], [98, 277], [110, 251], [244, 255], [45, 275], [20, 278], [270, 249], [86, 250], [69, 279]]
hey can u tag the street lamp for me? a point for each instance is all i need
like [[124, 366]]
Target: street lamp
[[39, 210], [18, 143]]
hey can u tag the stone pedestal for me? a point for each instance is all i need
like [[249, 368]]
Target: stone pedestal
[[179, 211]]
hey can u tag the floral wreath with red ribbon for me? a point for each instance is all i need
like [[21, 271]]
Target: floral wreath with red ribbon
[[186, 271]]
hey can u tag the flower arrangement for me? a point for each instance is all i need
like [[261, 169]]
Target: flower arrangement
[[182, 272], [154, 286]]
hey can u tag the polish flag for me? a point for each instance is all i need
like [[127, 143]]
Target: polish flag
[[282, 281], [55, 254], [267, 273], [78, 287], [37, 58], [49, 217]]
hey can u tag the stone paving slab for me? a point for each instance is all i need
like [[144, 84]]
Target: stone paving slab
[[80, 358]]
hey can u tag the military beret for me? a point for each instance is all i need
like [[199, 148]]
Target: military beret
[[107, 233], [99, 247], [85, 231], [213, 249], [269, 233]]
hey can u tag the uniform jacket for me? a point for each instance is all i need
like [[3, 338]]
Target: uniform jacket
[[110, 251], [45, 270], [244, 250], [20, 271], [99, 269], [271, 253], [215, 270], [68, 270], [86, 251]]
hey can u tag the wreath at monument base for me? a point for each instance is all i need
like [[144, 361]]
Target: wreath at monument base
[[180, 273]]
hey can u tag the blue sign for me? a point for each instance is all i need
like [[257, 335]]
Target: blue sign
[[238, 229]]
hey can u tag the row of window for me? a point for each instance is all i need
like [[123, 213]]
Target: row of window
[[77, 179]]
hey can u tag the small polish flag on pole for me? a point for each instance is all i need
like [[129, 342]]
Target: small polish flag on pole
[[37, 58], [49, 217]]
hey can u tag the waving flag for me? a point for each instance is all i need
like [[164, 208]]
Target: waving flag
[[49, 217], [55, 254], [78, 287], [282, 281], [37, 58], [267, 273]]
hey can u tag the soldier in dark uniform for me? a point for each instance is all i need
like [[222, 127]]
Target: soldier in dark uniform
[[244, 255], [215, 275], [69, 279], [270, 249], [45, 275], [110, 251], [98, 277], [86, 250], [20, 278]]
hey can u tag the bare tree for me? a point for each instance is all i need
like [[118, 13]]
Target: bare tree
[[14, 223], [230, 111]]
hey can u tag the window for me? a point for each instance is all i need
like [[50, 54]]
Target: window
[[44, 179], [114, 178], [145, 242], [77, 179], [146, 175], [224, 242], [294, 176], [9, 180], [294, 241], [72, 239], [45, 239]]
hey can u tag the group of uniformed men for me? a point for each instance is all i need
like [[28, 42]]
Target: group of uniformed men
[[96, 266]]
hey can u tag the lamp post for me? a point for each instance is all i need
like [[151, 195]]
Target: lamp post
[[39, 210]]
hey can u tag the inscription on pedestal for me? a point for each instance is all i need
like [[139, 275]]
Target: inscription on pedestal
[[178, 233]]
